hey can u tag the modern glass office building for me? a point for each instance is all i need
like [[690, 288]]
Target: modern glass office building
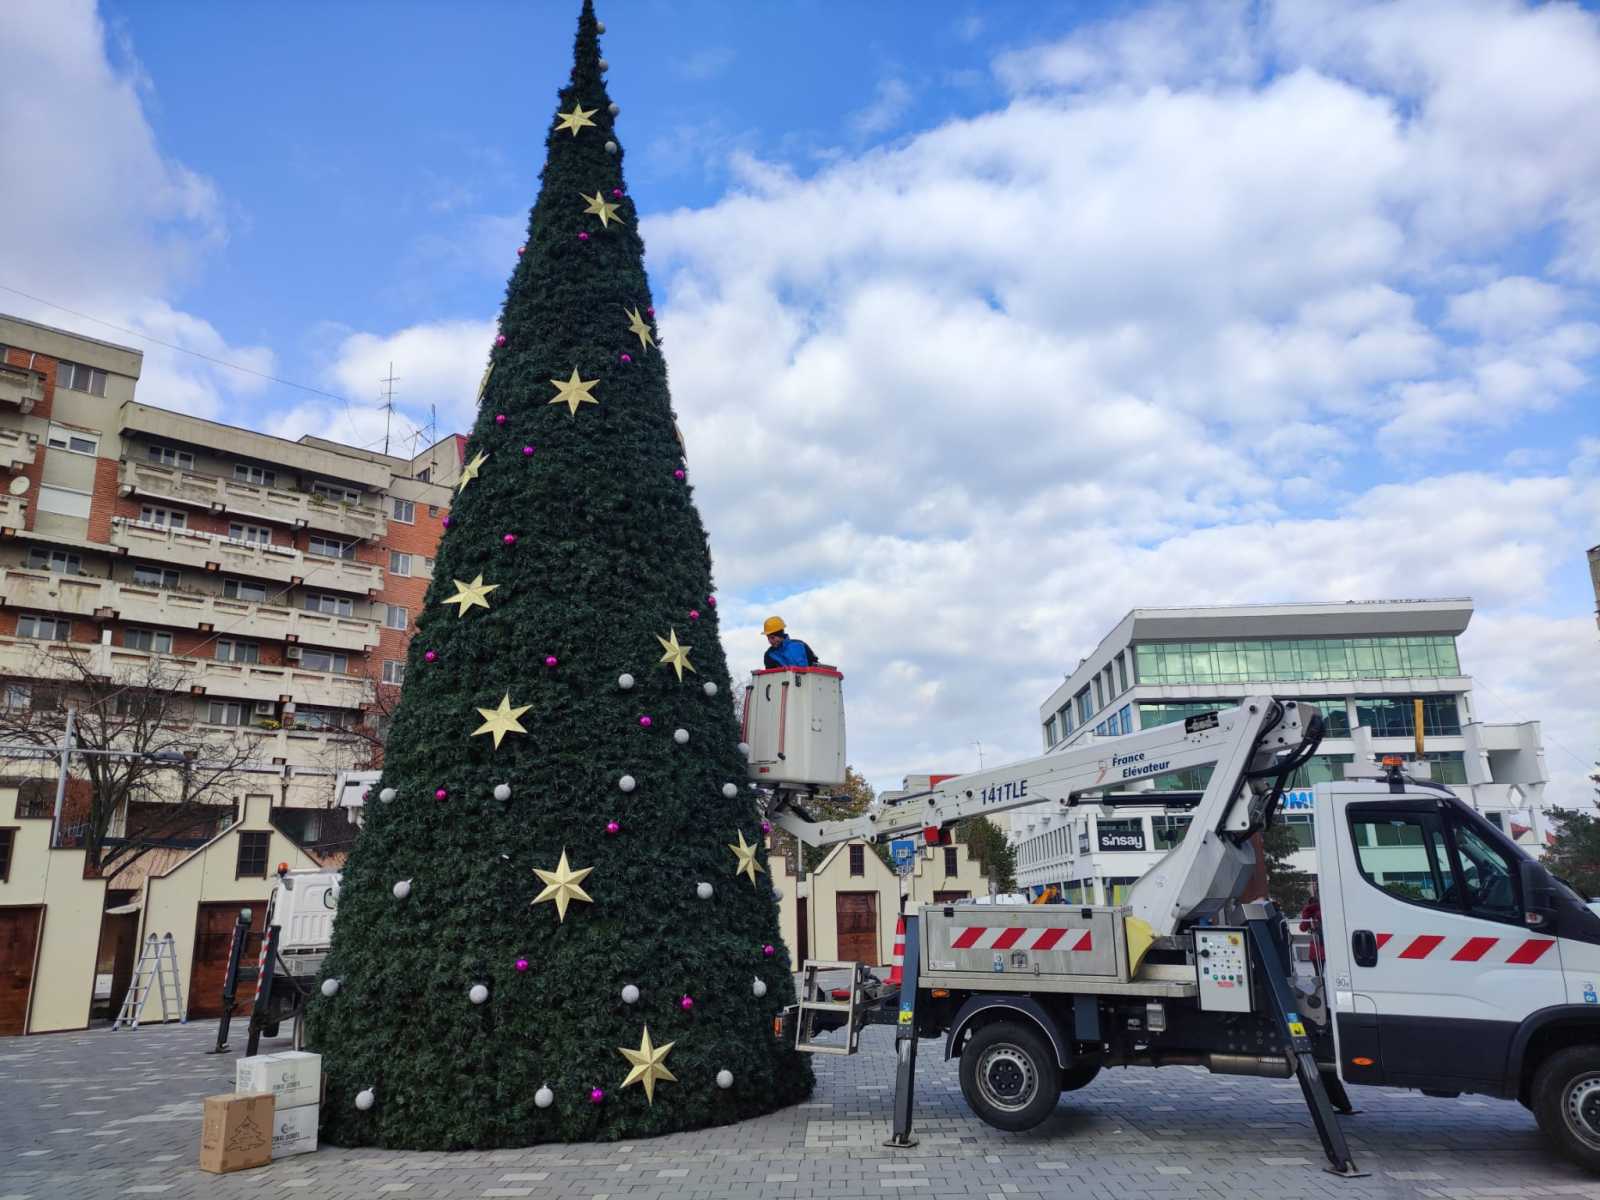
[[1364, 664]]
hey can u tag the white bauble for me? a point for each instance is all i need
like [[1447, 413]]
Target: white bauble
[[777, 893], [544, 1097], [624, 681], [730, 790], [402, 889], [599, 26], [630, 994], [724, 1079], [365, 1099], [744, 749], [604, 65], [758, 987], [477, 993], [709, 688], [502, 791], [611, 147], [387, 795], [681, 736], [615, 109], [627, 783], [704, 890], [330, 987]]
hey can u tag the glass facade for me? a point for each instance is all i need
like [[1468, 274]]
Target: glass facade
[[1297, 658], [1152, 714], [1166, 831], [1395, 716], [1323, 768]]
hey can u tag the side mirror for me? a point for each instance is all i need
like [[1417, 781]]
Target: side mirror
[[1537, 910]]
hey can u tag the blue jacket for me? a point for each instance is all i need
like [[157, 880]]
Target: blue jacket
[[791, 652]]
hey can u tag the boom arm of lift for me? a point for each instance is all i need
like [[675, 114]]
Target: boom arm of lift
[[1253, 747]]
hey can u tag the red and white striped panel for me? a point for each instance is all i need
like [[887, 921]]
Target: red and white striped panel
[[1517, 952], [1019, 937]]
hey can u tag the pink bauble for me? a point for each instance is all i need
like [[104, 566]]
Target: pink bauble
[[522, 964], [549, 660], [447, 522], [678, 474], [597, 1095], [499, 418], [431, 656], [510, 539], [583, 237], [650, 312], [613, 827], [626, 357], [766, 827], [441, 793], [499, 339], [686, 1003], [694, 614], [616, 193], [646, 722], [711, 601], [527, 451], [521, 250], [768, 950]]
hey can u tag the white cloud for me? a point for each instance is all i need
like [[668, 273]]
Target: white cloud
[[706, 63], [890, 101]]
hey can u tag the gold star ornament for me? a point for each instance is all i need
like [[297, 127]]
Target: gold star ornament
[[638, 326], [575, 120], [470, 471], [471, 595], [746, 854], [597, 205], [676, 656], [501, 721], [561, 886], [648, 1063], [573, 392]]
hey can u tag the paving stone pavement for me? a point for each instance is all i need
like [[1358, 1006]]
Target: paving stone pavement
[[101, 1114]]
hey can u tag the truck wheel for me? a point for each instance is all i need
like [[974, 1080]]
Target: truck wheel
[[1009, 1076], [1566, 1102], [1079, 1075]]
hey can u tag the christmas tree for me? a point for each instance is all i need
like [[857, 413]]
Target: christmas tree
[[557, 923]]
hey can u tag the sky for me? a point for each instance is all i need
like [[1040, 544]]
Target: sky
[[986, 323]]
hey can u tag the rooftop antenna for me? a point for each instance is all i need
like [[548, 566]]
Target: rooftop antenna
[[388, 405], [978, 742]]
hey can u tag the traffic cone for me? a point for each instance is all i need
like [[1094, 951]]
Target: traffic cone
[[897, 960]]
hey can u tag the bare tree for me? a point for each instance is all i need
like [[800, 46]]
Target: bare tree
[[138, 747]]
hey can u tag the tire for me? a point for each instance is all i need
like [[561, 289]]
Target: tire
[[1009, 1076], [1079, 1075], [1566, 1102]]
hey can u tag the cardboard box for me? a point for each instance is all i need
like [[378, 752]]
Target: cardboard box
[[294, 1130], [294, 1077], [236, 1132]]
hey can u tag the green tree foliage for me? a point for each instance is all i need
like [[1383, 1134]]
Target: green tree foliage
[[1288, 888], [991, 848], [1574, 853], [609, 555]]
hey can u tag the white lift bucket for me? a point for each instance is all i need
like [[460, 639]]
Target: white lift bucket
[[794, 726]]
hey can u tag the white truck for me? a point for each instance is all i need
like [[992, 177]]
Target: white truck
[[1450, 961]]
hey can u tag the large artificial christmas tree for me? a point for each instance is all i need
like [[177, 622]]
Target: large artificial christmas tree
[[557, 923]]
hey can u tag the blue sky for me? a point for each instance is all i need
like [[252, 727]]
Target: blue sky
[[1047, 311]]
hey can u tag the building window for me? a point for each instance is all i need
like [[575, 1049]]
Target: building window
[[1050, 732], [399, 564], [1151, 715], [394, 671], [1395, 716], [951, 865], [163, 518], [78, 441], [1122, 673], [1426, 655], [230, 650], [156, 641], [8, 841], [157, 577], [336, 492], [858, 860], [253, 535], [396, 616], [244, 589], [171, 456], [16, 695], [424, 475], [433, 510], [64, 502], [1302, 828], [334, 606], [324, 660], [42, 558], [330, 547], [42, 628], [320, 718], [404, 511], [1083, 702], [1099, 695], [1167, 832], [259, 476], [81, 378], [253, 847], [224, 712]]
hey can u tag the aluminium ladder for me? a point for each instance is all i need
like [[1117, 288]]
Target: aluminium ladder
[[158, 964]]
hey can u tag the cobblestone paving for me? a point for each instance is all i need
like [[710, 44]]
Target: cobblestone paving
[[106, 1114]]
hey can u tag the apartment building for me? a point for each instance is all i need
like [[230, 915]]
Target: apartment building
[[1365, 664], [281, 578]]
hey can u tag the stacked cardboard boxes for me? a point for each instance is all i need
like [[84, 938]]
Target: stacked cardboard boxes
[[294, 1078]]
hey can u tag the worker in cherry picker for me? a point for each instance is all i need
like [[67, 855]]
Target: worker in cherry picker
[[783, 650]]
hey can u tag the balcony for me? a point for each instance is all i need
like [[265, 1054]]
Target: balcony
[[13, 511], [106, 599], [20, 388], [250, 501], [18, 449], [210, 552]]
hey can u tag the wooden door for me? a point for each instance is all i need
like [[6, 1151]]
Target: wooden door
[[19, 946], [802, 930], [213, 938], [857, 916], [119, 934]]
